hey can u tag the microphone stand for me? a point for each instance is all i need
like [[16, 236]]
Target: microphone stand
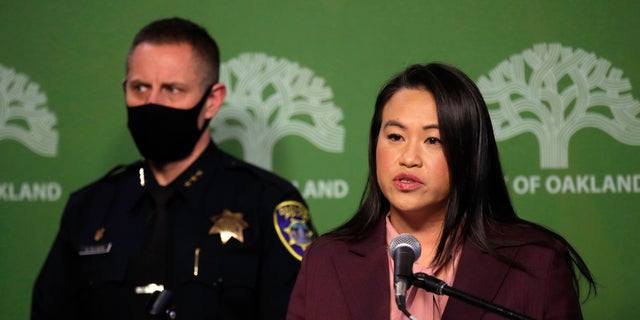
[[439, 287]]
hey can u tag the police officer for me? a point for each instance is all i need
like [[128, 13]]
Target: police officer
[[190, 232]]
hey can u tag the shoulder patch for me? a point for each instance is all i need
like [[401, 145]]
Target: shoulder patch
[[291, 221]]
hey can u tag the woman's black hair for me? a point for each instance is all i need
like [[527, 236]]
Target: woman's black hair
[[478, 200]]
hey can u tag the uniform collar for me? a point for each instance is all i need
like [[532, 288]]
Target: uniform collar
[[191, 184]]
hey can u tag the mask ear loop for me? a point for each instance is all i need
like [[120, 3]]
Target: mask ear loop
[[207, 92]]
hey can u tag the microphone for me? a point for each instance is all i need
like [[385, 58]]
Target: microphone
[[404, 249]]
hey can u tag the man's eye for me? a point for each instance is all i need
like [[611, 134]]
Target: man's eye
[[138, 87], [173, 89]]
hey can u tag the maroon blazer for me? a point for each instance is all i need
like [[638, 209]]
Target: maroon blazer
[[340, 280]]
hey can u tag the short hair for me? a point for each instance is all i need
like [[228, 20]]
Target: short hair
[[176, 31]]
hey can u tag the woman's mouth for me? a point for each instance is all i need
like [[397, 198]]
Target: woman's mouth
[[407, 182]]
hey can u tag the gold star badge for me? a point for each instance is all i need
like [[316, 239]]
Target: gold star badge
[[228, 225]]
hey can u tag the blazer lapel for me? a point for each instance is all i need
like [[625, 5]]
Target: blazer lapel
[[480, 275], [363, 274]]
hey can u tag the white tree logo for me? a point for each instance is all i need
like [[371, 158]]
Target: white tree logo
[[268, 99], [24, 116], [553, 92]]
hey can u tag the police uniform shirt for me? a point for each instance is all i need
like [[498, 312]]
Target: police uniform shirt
[[235, 239]]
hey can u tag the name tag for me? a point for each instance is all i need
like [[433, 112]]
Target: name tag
[[94, 250]]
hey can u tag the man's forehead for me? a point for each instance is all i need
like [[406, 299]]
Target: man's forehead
[[164, 61], [181, 57]]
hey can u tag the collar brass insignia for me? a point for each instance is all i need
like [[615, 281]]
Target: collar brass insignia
[[98, 235], [228, 225], [193, 179]]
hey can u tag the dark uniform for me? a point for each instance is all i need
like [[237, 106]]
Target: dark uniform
[[236, 237]]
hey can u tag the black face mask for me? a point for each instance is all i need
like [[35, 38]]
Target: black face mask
[[163, 134]]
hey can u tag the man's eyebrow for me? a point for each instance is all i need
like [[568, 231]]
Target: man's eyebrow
[[136, 82]]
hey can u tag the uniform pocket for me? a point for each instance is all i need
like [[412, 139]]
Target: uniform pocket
[[102, 268], [225, 285]]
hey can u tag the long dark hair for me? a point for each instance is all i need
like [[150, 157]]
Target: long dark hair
[[478, 196]]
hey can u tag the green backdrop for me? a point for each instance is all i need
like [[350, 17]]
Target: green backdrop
[[574, 167]]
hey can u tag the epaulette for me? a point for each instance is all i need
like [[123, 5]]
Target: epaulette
[[120, 169], [238, 165]]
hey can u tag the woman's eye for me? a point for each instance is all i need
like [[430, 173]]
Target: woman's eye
[[433, 140], [394, 137]]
